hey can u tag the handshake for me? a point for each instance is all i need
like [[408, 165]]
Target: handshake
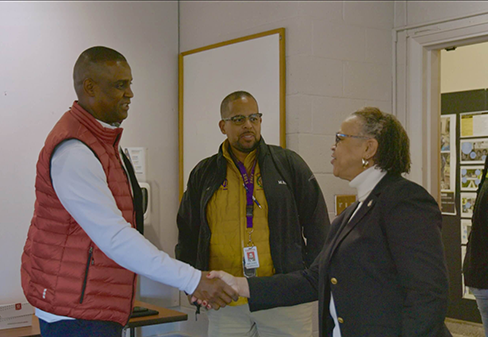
[[218, 288]]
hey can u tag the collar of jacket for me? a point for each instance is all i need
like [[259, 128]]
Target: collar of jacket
[[107, 135], [382, 184], [347, 225], [375, 194]]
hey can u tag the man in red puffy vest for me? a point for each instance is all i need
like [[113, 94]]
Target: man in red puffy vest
[[83, 249]]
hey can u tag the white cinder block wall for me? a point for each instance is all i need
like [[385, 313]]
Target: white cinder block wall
[[338, 59]]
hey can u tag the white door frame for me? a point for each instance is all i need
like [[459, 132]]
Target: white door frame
[[416, 86]]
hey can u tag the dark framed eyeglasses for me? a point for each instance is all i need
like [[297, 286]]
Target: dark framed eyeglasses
[[341, 136], [240, 119]]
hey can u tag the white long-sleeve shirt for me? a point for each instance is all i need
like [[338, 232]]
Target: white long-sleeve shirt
[[81, 185]]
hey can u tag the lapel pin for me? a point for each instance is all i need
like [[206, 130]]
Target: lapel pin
[[370, 203]]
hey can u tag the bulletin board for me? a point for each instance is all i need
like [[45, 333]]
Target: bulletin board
[[255, 64], [463, 150]]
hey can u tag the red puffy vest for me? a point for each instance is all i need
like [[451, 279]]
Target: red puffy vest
[[63, 272]]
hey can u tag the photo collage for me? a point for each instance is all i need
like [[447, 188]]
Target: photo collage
[[473, 150]]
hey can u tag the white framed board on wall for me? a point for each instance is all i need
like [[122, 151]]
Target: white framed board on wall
[[255, 64]]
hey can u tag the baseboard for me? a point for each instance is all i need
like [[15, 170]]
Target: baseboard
[[458, 321]]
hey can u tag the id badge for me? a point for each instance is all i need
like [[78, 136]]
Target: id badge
[[248, 273], [251, 260]]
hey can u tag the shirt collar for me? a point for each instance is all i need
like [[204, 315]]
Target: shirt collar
[[106, 125], [366, 181]]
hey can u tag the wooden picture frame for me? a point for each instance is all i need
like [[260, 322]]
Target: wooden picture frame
[[254, 63]]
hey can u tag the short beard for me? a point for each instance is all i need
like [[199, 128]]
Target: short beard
[[238, 146]]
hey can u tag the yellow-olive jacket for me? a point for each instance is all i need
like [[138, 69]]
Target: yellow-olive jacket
[[297, 215]]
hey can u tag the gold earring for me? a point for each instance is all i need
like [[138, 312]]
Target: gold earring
[[365, 162]]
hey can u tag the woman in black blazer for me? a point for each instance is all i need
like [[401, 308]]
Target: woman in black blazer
[[382, 270]]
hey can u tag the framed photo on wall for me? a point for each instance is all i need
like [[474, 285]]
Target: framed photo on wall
[[470, 177], [448, 164], [473, 151], [467, 204]]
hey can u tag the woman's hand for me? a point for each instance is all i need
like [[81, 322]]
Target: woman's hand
[[239, 284]]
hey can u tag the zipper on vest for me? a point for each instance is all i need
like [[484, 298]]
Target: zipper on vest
[[90, 253], [134, 280]]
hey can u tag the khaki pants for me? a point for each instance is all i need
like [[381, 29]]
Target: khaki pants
[[238, 321]]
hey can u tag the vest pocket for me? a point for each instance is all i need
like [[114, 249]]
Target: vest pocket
[[90, 253]]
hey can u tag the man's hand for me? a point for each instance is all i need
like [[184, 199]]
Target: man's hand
[[214, 292], [193, 300], [239, 284]]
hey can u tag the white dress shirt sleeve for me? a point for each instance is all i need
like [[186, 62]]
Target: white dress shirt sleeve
[[81, 185]]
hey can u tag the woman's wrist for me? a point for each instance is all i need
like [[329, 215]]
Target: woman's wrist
[[243, 287]]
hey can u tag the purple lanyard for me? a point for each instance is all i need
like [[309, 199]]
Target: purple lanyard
[[249, 186]]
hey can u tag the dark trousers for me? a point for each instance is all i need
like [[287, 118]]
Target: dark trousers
[[80, 328]]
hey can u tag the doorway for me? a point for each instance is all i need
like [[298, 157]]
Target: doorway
[[418, 53], [463, 147]]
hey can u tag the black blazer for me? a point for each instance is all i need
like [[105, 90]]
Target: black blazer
[[386, 268]]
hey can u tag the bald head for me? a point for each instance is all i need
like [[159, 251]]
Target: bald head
[[88, 63], [102, 79], [224, 106]]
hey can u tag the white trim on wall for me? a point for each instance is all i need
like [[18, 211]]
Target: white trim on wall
[[416, 92]]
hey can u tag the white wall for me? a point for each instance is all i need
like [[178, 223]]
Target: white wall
[[465, 68], [39, 45]]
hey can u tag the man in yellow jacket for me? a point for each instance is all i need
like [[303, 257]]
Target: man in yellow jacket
[[252, 210]]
